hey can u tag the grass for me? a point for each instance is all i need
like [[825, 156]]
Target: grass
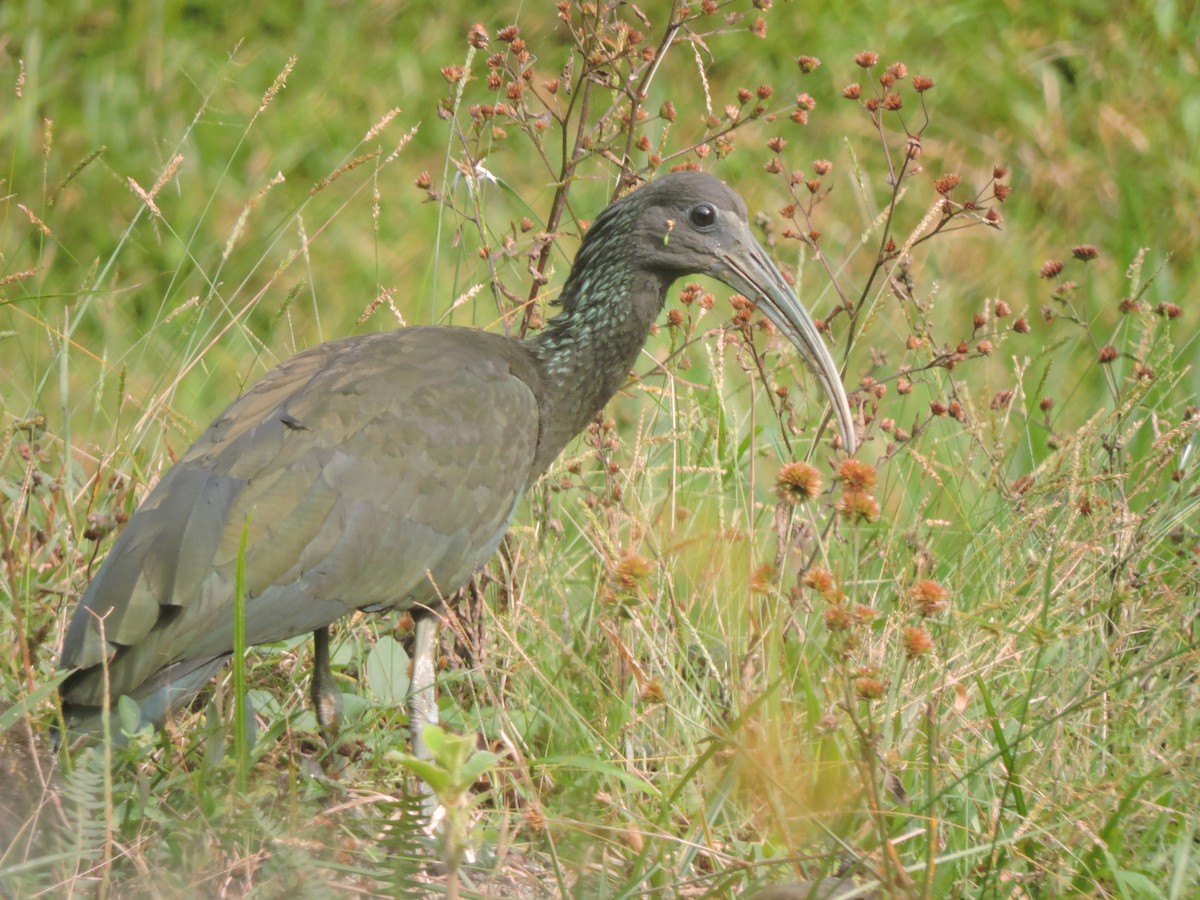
[[696, 687]]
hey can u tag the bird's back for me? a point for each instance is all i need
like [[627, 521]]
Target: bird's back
[[373, 472]]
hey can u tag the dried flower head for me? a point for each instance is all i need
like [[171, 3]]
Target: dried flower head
[[837, 617], [822, 167], [1021, 326], [1051, 268], [917, 641], [856, 475], [865, 615], [1169, 310], [797, 482], [807, 64], [931, 598], [1085, 252], [1107, 354], [632, 571], [852, 91], [866, 59], [805, 101], [893, 102], [922, 83], [819, 579], [478, 36], [508, 33], [858, 505], [1002, 309], [869, 688], [946, 183], [1046, 404]]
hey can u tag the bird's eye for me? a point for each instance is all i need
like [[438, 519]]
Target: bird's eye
[[702, 215]]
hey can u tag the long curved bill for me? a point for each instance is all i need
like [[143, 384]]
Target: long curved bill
[[748, 270]]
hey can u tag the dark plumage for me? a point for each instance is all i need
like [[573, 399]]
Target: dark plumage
[[380, 471]]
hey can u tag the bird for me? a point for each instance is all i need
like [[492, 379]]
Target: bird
[[379, 472]]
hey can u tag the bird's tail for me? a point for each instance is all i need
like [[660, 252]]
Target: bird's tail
[[171, 688]]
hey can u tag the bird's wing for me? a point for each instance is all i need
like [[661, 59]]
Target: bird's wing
[[377, 471]]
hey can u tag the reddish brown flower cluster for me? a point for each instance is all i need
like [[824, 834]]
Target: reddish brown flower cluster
[[856, 475], [946, 183], [820, 579], [1051, 268], [807, 64], [1107, 354], [917, 641], [858, 505], [798, 482], [633, 571], [922, 83], [838, 617], [1085, 252], [478, 36], [868, 687], [930, 597]]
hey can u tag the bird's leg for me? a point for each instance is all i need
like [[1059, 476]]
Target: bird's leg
[[422, 691], [422, 696], [326, 696]]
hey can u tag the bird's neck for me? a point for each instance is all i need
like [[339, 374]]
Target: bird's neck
[[584, 354]]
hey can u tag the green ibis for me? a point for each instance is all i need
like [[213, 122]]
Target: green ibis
[[379, 472]]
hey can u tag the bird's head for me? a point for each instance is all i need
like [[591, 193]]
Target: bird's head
[[690, 223]]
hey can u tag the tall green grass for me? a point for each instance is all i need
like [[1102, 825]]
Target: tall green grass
[[684, 704]]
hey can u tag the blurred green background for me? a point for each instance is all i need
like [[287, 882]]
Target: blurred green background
[[130, 331]]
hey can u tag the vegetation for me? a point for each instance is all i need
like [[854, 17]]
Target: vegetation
[[714, 654]]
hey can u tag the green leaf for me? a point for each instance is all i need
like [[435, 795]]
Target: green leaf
[[431, 773], [479, 763], [387, 672], [600, 767], [129, 714]]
